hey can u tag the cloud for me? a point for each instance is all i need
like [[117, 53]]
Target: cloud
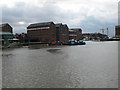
[[95, 25], [89, 14]]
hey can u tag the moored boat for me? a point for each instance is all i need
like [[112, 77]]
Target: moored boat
[[74, 43], [54, 43], [81, 42]]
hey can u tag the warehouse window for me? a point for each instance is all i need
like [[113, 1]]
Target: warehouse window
[[41, 28]]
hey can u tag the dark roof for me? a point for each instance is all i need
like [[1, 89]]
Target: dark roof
[[40, 24], [2, 25], [65, 25], [58, 24], [93, 34], [76, 29]]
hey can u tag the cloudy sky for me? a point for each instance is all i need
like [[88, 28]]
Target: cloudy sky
[[90, 15]]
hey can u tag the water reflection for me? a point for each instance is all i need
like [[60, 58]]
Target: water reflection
[[54, 51]]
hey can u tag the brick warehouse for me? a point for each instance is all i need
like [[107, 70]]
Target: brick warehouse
[[47, 32], [43, 32], [6, 34], [6, 28], [117, 31], [75, 34], [62, 32]]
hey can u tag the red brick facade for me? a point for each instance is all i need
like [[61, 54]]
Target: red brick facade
[[75, 34], [43, 32], [62, 32], [48, 31], [117, 31], [6, 28]]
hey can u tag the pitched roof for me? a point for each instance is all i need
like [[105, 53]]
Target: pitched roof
[[58, 24], [76, 29], [39, 24], [65, 25], [2, 25]]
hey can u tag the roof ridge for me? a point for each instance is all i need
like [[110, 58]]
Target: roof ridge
[[40, 24]]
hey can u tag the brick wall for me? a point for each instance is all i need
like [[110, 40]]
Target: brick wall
[[62, 33], [43, 35], [7, 28], [117, 31]]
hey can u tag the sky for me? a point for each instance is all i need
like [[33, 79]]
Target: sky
[[89, 15]]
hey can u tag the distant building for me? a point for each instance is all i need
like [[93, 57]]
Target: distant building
[[62, 32], [75, 34], [42, 32], [47, 32], [117, 31], [93, 36], [6, 33], [23, 37], [6, 28], [87, 36]]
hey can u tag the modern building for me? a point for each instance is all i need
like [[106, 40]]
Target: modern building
[[42, 32], [117, 31], [75, 34], [62, 32], [6, 33]]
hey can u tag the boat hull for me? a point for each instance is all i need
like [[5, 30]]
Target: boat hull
[[81, 43], [74, 44]]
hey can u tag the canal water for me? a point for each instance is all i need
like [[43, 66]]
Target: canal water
[[94, 65]]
